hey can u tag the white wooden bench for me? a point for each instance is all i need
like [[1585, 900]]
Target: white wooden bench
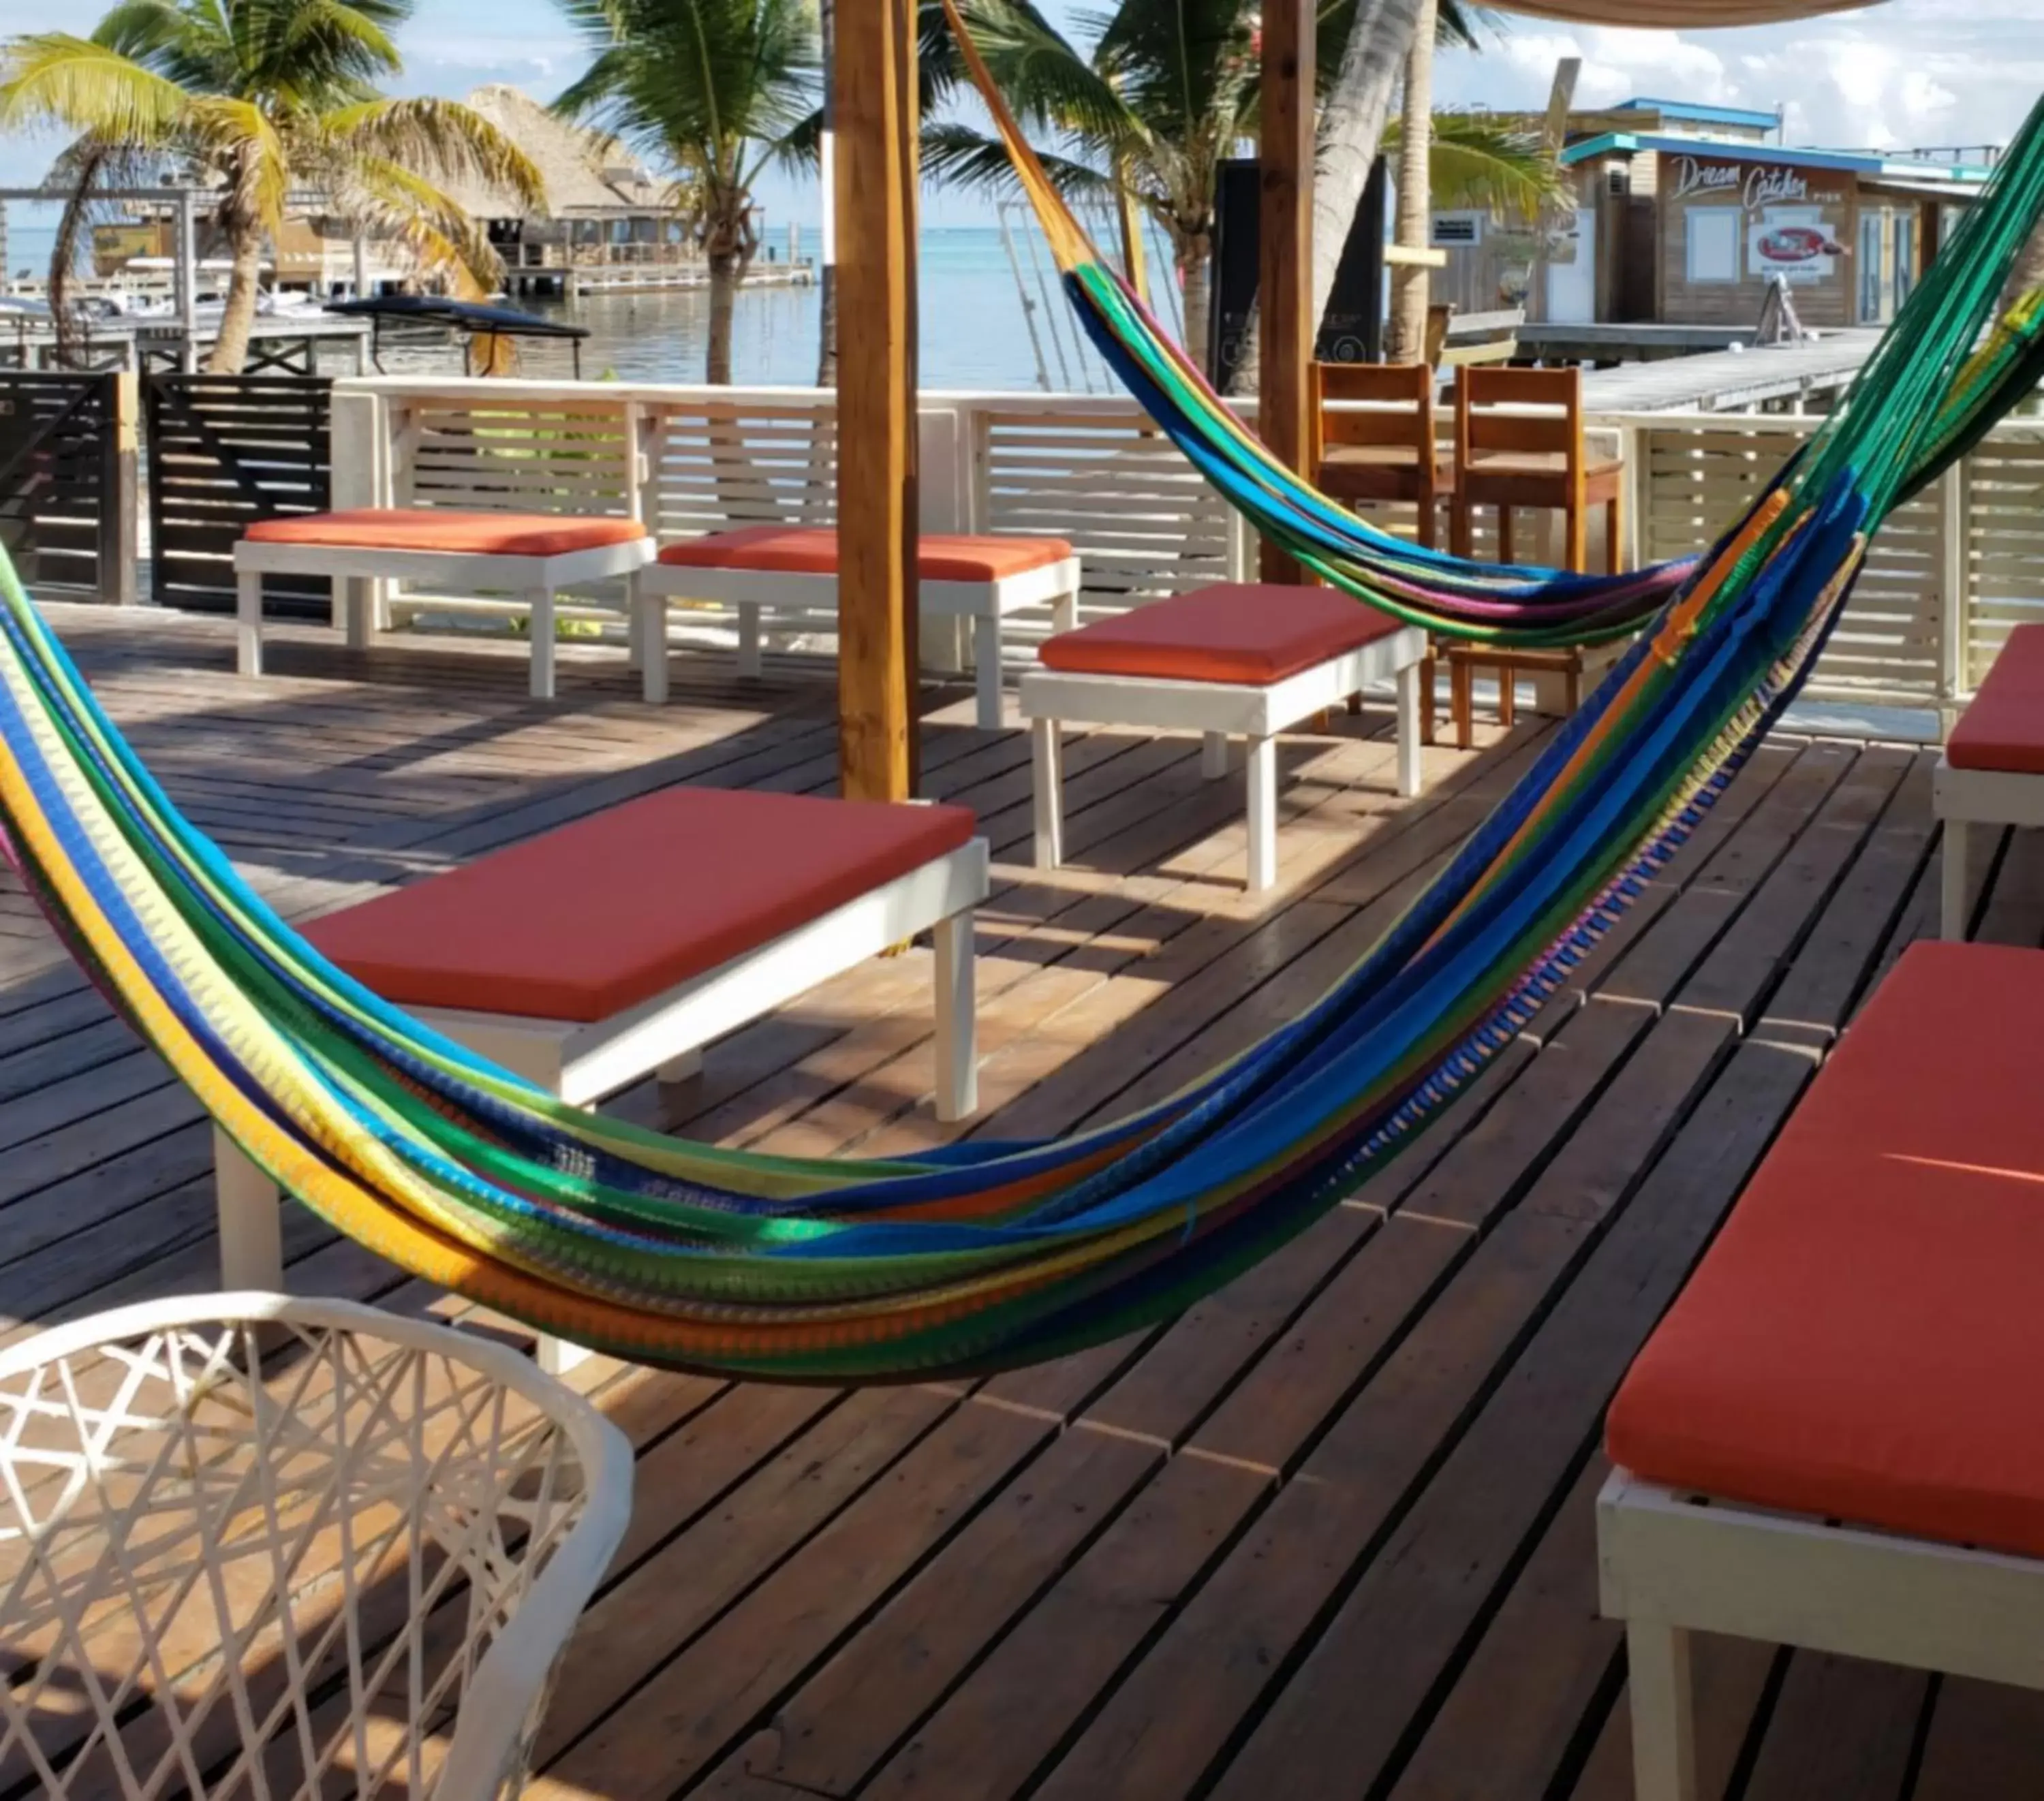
[[532, 555], [1235, 661], [1993, 771], [1835, 1439], [758, 567], [592, 956]]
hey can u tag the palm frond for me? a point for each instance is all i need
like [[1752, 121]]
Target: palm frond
[[695, 82], [1187, 68], [1476, 164], [1045, 78], [957, 155], [239, 138], [439, 140], [52, 78], [383, 197]]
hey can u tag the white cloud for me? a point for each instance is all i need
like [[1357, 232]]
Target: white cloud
[[1914, 73]]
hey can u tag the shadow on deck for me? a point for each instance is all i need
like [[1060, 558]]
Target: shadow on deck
[[1328, 1534]]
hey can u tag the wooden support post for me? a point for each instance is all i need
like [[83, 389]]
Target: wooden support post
[[877, 507], [121, 502], [1285, 287]]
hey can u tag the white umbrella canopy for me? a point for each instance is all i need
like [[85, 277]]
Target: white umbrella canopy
[[1682, 15]]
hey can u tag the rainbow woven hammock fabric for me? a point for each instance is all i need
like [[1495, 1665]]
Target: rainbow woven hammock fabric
[[986, 1256]]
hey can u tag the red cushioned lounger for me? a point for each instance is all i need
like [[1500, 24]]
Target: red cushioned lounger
[[1836, 1439], [592, 956], [983, 579], [532, 555], [1238, 660], [1992, 772]]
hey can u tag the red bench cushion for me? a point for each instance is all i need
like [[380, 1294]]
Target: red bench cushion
[[434, 528], [1242, 632], [1863, 1339], [582, 923], [792, 550], [2003, 727]]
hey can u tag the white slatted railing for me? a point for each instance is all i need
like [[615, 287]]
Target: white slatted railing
[[1947, 578]]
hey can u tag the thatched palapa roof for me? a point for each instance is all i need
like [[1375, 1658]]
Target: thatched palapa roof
[[587, 176]]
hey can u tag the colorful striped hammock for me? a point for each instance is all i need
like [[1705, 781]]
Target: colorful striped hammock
[[986, 1256]]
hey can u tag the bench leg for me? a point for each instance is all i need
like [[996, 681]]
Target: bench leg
[[1262, 813], [1408, 730], [1045, 777], [682, 1069], [1957, 880], [359, 612], [543, 645], [1213, 755], [250, 1212], [958, 1053], [650, 611], [986, 670], [247, 622], [748, 641], [1065, 612], [1664, 1753]]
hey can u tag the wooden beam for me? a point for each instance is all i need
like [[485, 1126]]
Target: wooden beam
[[1284, 282], [875, 101]]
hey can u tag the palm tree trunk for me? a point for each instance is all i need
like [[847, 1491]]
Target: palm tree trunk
[[1196, 272], [727, 271], [1410, 289], [230, 349], [1352, 123]]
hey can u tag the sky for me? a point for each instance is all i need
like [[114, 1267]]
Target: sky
[[1910, 73]]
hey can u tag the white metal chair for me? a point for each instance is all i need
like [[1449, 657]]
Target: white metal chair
[[257, 1546]]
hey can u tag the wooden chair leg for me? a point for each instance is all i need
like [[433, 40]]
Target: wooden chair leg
[[1508, 696], [1505, 534], [1429, 528], [1427, 666], [1461, 536], [1579, 548], [1614, 529], [1461, 699]]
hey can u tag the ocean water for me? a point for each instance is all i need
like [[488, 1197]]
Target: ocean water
[[980, 326]]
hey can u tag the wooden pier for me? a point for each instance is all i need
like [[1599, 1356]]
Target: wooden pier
[[1730, 381]]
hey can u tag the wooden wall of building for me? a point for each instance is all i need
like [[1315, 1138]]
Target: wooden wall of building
[[1725, 225]]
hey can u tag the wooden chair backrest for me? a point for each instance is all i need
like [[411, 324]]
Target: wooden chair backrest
[[1397, 405], [1480, 392]]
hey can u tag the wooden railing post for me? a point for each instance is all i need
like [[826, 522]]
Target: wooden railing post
[[877, 508], [1955, 590], [121, 501], [1284, 284]]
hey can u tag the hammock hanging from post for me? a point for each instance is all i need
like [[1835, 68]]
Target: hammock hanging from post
[[981, 1256]]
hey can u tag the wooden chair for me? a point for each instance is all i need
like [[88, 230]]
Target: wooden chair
[[1389, 450], [1509, 458], [1512, 458]]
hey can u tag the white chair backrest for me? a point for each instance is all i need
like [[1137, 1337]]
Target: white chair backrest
[[253, 1546]]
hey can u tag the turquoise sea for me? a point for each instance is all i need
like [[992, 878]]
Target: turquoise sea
[[976, 330]]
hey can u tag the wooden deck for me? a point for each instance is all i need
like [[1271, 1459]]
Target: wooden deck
[[1329, 1535]]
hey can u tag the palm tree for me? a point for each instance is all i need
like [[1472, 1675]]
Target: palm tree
[[254, 98], [1163, 95], [1409, 286], [715, 89]]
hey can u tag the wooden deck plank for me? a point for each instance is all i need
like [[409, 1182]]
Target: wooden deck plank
[[1328, 1532]]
